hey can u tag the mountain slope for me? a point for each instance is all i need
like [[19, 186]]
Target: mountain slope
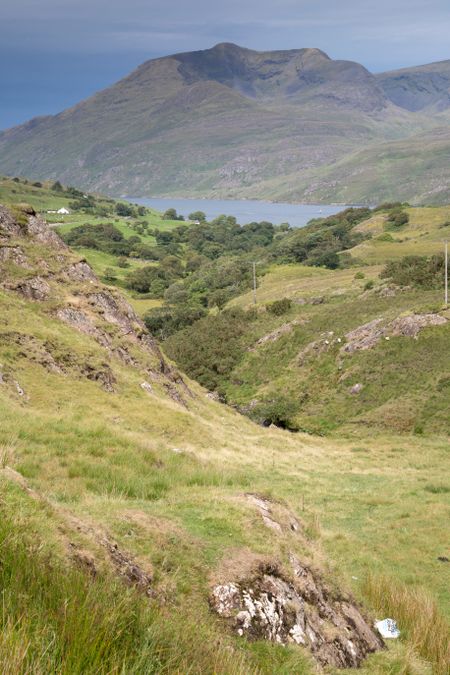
[[218, 122], [418, 88]]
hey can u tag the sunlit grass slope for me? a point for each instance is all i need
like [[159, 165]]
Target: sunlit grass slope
[[167, 483]]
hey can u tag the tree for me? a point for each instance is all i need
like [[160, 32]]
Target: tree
[[197, 215], [170, 214], [124, 210]]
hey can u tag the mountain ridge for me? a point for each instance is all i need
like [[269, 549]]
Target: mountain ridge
[[226, 120]]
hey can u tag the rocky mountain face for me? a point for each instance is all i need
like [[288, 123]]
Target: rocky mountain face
[[230, 122], [421, 88]]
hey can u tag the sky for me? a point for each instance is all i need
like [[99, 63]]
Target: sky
[[53, 53]]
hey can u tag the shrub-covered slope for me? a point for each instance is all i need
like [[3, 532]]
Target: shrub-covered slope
[[347, 349]]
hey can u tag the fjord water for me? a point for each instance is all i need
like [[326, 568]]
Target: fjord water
[[245, 211]]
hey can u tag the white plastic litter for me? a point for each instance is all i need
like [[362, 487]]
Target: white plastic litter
[[387, 628]]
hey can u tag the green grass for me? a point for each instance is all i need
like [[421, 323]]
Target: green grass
[[168, 484]]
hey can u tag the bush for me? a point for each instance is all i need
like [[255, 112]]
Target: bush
[[110, 274], [397, 217], [417, 271], [278, 411], [369, 285], [279, 307], [210, 349], [359, 275], [124, 210]]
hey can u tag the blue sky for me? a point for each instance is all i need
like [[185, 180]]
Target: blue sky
[[53, 53]]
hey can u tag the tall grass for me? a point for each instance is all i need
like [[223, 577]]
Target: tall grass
[[59, 620], [418, 618]]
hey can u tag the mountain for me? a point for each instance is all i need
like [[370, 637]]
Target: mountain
[[230, 121], [418, 88]]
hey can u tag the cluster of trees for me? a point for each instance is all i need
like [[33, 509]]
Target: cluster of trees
[[322, 240], [417, 271], [108, 238]]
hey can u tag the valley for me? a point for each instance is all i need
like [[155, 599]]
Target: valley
[[132, 501]]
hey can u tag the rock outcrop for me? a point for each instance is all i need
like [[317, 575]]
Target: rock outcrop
[[296, 608]]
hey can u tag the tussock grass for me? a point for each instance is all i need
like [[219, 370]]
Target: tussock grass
[[59, 620], [417, 615]]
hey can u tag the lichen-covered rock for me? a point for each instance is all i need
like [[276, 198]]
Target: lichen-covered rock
[[13, 254], [39, 229], [410, 326], [80, 321], [80, 271], [364, 337], [302, 610], [36, 288]]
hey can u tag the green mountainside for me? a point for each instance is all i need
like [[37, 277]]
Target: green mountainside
[[352, 347], [146, 527], [232, 122]]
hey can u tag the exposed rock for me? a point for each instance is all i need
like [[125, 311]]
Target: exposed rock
[[276, 334], [318, 300], [36, 288], [286, 520], [214, 396], [103, 375], [13, 254], [123, 354], [364, 337], [410, 326], [268, 604], [314, 349], [80, 271], [387, 292], [114, 311], [146, 386], [81, 322], [368, 335], [41, 232], [263, 506], [8, 225], [357, 388]]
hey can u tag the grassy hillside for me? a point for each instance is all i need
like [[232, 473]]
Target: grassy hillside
[[127, 495], [300, 365], [46, 201], [231, 122]]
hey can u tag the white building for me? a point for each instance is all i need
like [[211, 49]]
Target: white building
[[63, 211]]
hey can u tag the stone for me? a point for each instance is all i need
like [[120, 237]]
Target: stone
[[266, 604], [356, 389]]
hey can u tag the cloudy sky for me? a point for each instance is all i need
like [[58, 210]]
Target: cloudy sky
[[55, 52]]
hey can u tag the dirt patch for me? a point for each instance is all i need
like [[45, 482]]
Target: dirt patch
[[297, 608]]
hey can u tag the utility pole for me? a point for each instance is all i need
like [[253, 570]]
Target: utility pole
[[254, 283], [446, 274]]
